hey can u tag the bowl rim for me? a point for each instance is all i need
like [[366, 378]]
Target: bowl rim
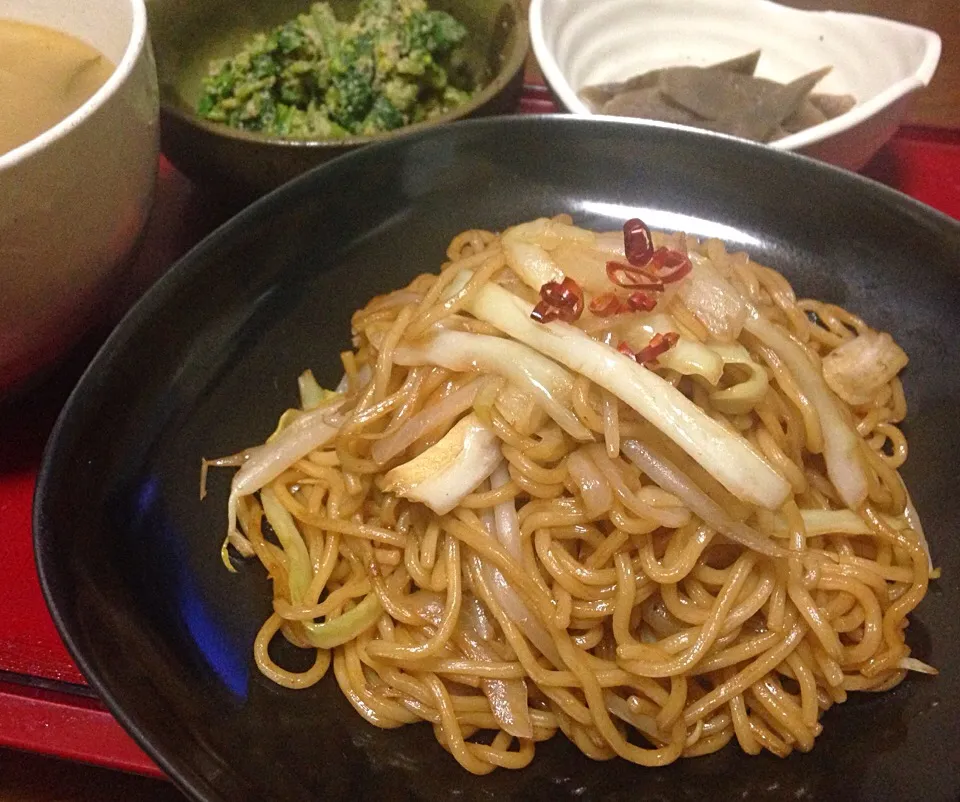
[[861, 112], [512, 64], [136, 43]]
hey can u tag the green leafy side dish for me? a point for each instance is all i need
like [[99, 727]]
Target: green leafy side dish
[[397, 62]]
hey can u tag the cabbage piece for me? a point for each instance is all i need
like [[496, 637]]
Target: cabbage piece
[[847, 522], [520, 410], [548, 233], [344, 628], [333, 631], [440, 414], [687, 357], [312, 395], [713, 300], [523, 367], [508, 697], [670, 478], [262, 464], [586, 264], [532, 263], [450, 469], [526, 249], [727, 456], [742, 396], [841, 445], [858, 368], [298, 564], [839, 522]]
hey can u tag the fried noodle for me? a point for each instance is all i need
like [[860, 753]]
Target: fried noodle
[[488, 530]]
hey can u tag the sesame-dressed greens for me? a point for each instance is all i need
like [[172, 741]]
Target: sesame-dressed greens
[[396, 62]]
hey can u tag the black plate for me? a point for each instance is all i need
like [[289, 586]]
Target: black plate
[[129, 557]]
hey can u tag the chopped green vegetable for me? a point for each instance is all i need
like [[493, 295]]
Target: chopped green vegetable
[[395, 63]]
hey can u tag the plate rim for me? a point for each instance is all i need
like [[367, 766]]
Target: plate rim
[[179, 770]]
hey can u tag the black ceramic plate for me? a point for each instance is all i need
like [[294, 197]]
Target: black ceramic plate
[[129, 556]]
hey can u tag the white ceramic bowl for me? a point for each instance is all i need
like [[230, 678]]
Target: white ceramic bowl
[[73, 200], [882, 63]]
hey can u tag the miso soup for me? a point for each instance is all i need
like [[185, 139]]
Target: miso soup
[[44, 76]]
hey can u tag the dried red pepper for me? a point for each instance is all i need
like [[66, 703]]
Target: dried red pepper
[[637, 242], [640, 301], [676, 263], [559, 300], [606, 305], [659, 344], [632, 277]]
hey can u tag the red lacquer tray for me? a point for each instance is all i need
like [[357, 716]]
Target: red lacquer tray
[[45, 705]]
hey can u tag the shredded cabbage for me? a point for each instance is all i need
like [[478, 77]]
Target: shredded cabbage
[[727, 456]]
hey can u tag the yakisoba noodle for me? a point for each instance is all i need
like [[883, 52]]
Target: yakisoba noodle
[[630, 490]]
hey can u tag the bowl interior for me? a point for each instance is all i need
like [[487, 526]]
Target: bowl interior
[[610, 40], [187, 34], [129, 556]]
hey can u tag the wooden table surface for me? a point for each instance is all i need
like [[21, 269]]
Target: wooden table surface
[[31, 778]]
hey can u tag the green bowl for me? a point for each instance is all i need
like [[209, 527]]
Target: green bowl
[[187, 34]]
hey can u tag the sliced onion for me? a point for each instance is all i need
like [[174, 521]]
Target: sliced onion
[[713, 300], [436, 416], [364, 374], [686, 357], [507, 697], [666, 516], [594, 488], [428, 604], [513, 606], [670, 478], [505, 520], [913, 519], [473, 610]]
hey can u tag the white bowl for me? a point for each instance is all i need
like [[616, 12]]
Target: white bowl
[[882, 63], [74, 199]]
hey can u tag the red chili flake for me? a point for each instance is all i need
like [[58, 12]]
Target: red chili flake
[[544, 313], [677, 264], [631, 277], [559, 300], [659, 344], [640, 301], [637, 242], [606, 305]]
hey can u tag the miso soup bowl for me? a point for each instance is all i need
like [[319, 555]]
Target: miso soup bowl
[[73, 201], [881, 62]]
